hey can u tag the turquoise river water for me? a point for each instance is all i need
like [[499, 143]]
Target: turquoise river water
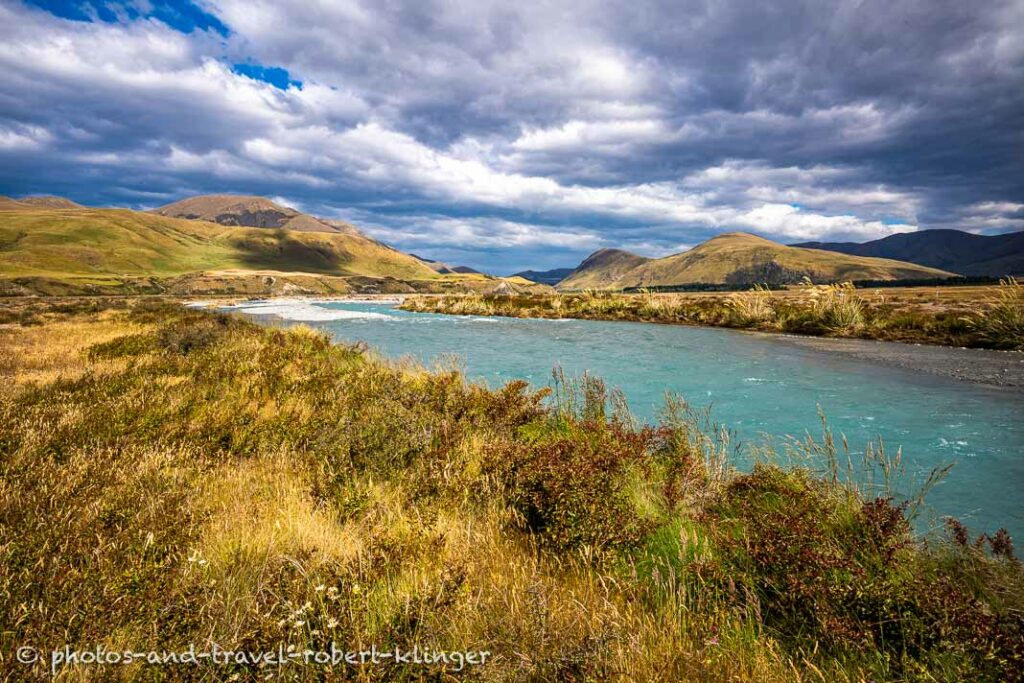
[[756, 385]]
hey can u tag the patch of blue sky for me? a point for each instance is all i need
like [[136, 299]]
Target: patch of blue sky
[[274, 75], [180, 15]]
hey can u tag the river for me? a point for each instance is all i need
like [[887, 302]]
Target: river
[[756, 385]]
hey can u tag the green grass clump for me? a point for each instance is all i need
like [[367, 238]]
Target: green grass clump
[[171, 477]]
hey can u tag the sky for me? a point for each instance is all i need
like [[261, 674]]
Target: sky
[[512, 135]]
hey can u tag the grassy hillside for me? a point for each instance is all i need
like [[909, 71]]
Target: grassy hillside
[[740, 258], [114, 242], [602, 269], [174, 477]]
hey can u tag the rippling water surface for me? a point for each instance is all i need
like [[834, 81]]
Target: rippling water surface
[[756, 385]]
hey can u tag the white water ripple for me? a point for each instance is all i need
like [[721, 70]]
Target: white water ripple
[[304, 311]]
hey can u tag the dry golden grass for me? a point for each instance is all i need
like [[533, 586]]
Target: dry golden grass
[[54, 350], [981, 316], [961, 297], [216, 482]]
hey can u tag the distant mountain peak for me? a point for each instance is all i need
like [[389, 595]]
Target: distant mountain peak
[[41, 201], [602, 268], [250, 211]]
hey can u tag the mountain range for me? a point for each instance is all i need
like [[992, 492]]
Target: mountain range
[[545, 277], [227, 237], [444, 268], [736, 258], [953, 250]]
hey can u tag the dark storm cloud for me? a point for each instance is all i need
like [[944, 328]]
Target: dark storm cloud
[[493, 133]]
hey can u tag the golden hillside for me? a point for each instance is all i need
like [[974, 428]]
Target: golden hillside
[[103, 242], [742, 258]]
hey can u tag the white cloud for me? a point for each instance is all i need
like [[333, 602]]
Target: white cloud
[[789, 222], [22, 137], [593, 135], [428, 231], [642, 126]]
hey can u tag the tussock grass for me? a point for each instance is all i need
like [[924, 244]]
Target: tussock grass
[[836, 310], [1002, 324], [171, 477]]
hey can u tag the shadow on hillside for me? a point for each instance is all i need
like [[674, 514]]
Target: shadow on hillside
[[275, 249]]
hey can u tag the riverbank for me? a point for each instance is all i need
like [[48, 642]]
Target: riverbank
[[979, 366], [994, 320], [174, 476]]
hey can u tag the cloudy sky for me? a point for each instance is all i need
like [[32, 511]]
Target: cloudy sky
[[507, 135]]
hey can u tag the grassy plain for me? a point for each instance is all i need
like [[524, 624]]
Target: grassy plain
[[171, 477], [974, 316]]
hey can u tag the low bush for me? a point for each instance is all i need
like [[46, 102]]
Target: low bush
[[573, 490]]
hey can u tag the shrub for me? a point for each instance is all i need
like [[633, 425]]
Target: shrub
[[129, 345], [195, 332], [573, 491], [825, 570]]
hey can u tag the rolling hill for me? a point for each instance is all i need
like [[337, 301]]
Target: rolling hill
[[602, 269], [953, 250], [40, 241], [736, 258]]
